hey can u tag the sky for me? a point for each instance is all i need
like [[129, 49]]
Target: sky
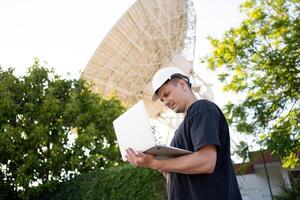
[[65, 34]]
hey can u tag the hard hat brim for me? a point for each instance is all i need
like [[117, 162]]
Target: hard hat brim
[[155, 97]]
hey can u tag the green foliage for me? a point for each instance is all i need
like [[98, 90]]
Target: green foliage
[[261, 61], [41, 114], [243, 151], [123, 182], [290, 193], [6, 191]]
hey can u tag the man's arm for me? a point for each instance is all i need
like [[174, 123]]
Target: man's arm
[[201, 162]]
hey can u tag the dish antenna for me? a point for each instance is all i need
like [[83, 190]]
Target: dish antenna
[[150, 35]]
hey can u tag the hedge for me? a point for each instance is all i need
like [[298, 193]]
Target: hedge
[[292, 193], [123, 182]]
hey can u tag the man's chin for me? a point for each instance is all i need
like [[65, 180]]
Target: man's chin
[[176, 110]]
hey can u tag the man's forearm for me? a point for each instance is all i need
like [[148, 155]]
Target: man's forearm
[[201, 162]]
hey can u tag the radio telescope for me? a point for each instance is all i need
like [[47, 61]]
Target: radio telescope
[[150, 35]]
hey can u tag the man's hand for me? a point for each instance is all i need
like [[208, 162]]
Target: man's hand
[[141, 159]]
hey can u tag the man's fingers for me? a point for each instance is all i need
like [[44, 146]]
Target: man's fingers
[[130, 152], [131, 156], [127, 157]]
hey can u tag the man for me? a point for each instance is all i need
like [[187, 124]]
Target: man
[[208, 172]]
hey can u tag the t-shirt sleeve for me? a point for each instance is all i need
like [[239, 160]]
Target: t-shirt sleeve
[[204, 129]]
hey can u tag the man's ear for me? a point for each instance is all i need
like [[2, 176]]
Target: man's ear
[[182, 84]]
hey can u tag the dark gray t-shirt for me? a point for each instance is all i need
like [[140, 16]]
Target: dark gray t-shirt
[[204, 124]]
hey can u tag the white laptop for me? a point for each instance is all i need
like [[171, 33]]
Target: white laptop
[[133, 130]]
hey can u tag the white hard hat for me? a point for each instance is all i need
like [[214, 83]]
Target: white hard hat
[[163, 75]]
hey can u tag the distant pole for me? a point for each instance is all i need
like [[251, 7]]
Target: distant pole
[[268, 179]]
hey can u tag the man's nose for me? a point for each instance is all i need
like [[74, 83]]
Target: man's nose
[[166, 102]]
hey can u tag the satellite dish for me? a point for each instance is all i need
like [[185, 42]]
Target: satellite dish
[[150, 35]]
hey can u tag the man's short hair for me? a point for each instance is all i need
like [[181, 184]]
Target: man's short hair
[[175, 78]]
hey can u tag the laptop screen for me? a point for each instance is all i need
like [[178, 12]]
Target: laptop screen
[[133, 129]]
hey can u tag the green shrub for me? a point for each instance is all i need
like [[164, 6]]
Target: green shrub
[[6, 189], [123, 182], [292, 193], [7, 192]]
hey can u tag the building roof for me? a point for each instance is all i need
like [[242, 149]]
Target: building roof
[[256, 158]]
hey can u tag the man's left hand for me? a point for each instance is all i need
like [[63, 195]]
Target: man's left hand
[[140, 159]]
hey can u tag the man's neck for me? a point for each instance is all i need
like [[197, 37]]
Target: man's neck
[[190, 102]]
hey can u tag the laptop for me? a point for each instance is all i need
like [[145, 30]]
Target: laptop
[[133, 130]]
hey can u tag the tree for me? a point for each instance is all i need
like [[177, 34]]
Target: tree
[[52, 129], [260, 61]]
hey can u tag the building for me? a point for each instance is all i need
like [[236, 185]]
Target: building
[[253, 176]]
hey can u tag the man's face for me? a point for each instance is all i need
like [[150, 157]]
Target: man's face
[[172, 95]]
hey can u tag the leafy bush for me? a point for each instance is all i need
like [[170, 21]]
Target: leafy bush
[[290, 193], [6, 190], [122, 182]]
